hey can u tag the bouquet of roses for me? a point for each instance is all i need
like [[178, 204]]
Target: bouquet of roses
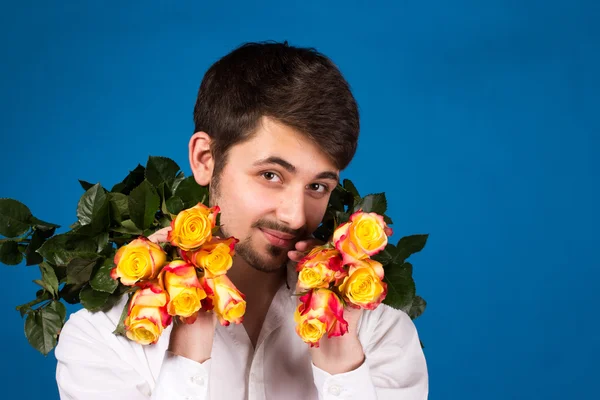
[[106, 254], [350, 269], [193, 279]]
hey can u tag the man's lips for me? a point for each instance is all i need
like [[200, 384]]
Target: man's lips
[[278, 238]]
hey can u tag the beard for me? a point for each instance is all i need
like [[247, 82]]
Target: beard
[[265, 259]]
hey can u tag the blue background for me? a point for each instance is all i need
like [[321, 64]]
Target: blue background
[[479, 120]]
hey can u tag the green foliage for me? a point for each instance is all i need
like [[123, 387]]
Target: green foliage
[[75, 265]]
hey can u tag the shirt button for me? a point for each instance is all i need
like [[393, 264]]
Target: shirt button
[[198, 380], [335, 390]]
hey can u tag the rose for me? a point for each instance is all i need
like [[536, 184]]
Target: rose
[[147, 316], [364, 235], [320, 311], [192, 227], [139, 260], [226, 300], [214, 257], [180, 280], [319, 268], [363, 287]]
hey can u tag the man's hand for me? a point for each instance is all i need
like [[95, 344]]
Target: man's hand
[[192, 341], [302, 249], [340, 354]]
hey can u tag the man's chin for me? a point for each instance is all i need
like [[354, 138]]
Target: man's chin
[[271, 258]]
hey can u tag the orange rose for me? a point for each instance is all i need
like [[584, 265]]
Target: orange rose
[[139, 260], [180, 280], [364, 287], [320, 312], [193, 227], [214, 257], [320, 268], [228, 303], [147, 316], [364, 235]]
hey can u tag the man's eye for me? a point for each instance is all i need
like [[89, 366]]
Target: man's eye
[[318, 187], [270, 176]]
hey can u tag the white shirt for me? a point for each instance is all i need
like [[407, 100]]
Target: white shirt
[[93, 363]]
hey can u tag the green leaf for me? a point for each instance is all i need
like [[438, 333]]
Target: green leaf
[[9, 253], [120, 329], [128, 227], [375, 203], [79, 270], [61, 249], [15, 218], [387, 220], [178, 179], [174, 205], [401, 287], [31, 255], [191, 193], [91, 299], [102, 281], [387, 255], [349, 186], [164, 221], [161, 170], [101, 241], [417, 308], [85, 185], [409, 245], [93, 208], [47, 228], [143, 205], [42, 295], [43, 326], [118, 207], [49, 279], [132, 180], [70, 292], [337, 200]]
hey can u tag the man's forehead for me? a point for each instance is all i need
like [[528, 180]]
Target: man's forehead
[[276, 143]]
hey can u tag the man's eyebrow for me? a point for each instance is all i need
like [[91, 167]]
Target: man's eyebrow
[[292, 169], [328, 175], [276, 160]]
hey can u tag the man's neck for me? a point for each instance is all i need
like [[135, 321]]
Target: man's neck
[[254, 283], [259, 288]]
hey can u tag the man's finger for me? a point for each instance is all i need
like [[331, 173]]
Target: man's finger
[[306, 245], [295, 256], [160, 236]]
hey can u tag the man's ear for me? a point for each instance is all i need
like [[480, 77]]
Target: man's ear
[[201, 160]]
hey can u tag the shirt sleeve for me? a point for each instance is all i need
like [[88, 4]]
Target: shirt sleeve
[[394, 366], [95, 364], [182, 378]]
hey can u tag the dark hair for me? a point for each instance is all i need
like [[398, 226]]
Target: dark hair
[[299, 87]]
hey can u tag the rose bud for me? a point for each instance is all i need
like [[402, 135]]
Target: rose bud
[[147, 316]]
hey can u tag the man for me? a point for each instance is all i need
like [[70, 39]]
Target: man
[[274, 126]]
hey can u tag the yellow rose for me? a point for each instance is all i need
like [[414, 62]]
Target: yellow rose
[[364, 287], [310, 328], [320, 311], [320, 268], [181, 282], [364, 235], [193, 227], [226, 300], [214, 257], [139, 260], [147, 316]]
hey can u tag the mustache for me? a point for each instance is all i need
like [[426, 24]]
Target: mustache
[[276, 226]]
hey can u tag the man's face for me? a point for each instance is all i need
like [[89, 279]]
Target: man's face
[[273, 192]]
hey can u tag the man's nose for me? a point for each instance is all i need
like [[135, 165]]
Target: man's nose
[[291, 211]]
